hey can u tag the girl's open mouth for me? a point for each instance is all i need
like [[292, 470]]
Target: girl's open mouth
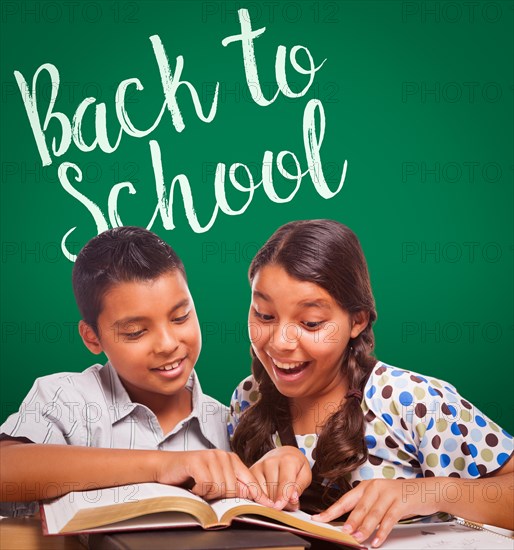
[[289, 370]]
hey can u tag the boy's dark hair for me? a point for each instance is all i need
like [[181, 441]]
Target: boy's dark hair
[[119, 255]]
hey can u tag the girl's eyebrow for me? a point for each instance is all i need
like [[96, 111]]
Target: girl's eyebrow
[[139, 318], [260, 294], [321, 304]]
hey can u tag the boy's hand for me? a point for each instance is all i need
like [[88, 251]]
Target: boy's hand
[[379, 503], [283, 474], [210, 474]]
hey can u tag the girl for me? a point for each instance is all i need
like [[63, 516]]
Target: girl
[[392, 442]]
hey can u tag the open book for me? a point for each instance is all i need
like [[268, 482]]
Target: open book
[[153, 506]]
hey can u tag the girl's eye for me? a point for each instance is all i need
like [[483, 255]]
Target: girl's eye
[[181, 319], [313, 324], [263, 316]]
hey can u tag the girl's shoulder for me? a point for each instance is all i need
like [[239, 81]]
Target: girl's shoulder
[[391, 380]]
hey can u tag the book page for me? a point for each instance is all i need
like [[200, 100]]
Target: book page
[[60, 511], [442, 536]]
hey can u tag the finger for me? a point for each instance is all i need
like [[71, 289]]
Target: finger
[[262, 496], [287, 488], [252, 483], [366, 517], [386, 525], [343, 505]]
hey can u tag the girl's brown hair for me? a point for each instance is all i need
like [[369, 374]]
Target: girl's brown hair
[[329, 254]]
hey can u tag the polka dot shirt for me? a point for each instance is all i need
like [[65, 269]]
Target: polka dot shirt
[[416, 426]]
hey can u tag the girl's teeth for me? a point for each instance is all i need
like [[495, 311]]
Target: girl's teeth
[[287, 366]]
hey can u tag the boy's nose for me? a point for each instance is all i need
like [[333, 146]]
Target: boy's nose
[[166, 342]]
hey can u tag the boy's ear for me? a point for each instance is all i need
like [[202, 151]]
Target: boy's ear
[[360, 321], [90, 338]]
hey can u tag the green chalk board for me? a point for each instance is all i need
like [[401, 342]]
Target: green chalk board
[[416, 99]]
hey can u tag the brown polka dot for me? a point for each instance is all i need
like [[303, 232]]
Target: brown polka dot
[[491, 440], [435, 390], [355, 483], [415, 378], [370, 416], [465, 449], [482, 470], [390, 442], [375, 460], [463, 429], [247, 385], [454, 474], [446, 411], [436, 442], [403, 424], [380, 370], [231, 409], [466, 403], [420, 410], [428, 473], [387, 391], [414, 463]]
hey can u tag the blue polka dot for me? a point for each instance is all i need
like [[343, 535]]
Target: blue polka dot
[[452, 410], [455, 429], [472, 450], [430, 424], [244, 405], [366, 472], [302, 450], [480, 421], [501, 458], [406, 398], [420, 475], [421, 458], [450, 445], [410, 448], [371, 392], [423, 443], [473, 470], [396, 373], [230, 429], [382, 453], [388, 418], [506, 434], [432, 391], [236, 393], [476, 434], [445, 460], [451, 390], [371, 442], [507, 444], [422, 378]]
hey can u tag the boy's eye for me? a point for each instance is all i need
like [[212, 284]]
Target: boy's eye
[[263, 316], [133, 335], [313, 324]]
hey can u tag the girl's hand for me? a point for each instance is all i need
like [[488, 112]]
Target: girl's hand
[[209, 474], [381, 503], [283, 474]]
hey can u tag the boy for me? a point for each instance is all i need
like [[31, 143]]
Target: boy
[[108, 425]]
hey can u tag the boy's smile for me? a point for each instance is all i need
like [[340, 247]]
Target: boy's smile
[[150, 333]]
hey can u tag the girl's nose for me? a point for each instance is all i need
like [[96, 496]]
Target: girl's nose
[[286, 336]]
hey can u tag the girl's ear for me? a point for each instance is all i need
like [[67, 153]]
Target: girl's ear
[[360, 321], [89, 337]]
